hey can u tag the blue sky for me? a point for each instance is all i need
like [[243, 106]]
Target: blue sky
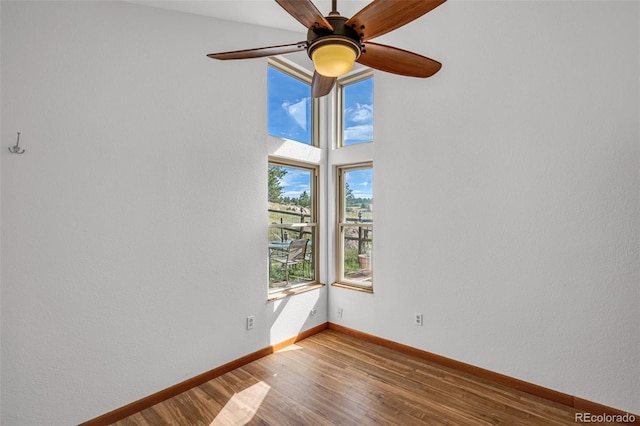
[[295, 182], [289, 116], [360, 182], [289, 107], [358, 114]]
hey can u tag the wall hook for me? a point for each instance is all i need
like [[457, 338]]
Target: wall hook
[[16, 148]]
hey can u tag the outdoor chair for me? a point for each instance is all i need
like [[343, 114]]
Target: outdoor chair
[[295, 254]]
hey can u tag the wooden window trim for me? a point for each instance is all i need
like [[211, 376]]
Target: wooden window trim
[[355, 77], [298, 72], [341, 223], [301, 288]]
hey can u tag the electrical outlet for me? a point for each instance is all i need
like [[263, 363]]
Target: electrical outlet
[[418, 319], [313, 312], [339, 312], [251, 322]]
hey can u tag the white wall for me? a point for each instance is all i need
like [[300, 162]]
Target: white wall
[[506, 195], [131, 227], [123, 271]]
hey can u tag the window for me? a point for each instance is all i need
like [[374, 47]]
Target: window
[[292, 225], [297, 154], [289, 103], [355, 226], [356, 106]]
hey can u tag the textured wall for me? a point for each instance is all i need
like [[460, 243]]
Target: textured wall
[[131, 243], [507, 199], [514, 170]]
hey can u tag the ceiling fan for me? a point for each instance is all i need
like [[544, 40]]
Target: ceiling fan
[[334, 42]]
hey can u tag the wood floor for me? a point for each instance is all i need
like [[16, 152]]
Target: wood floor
[[334, 379]]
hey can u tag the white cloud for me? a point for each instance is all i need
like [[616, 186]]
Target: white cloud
[[360, 113], [362, 194], [363, 132], [298, 111]]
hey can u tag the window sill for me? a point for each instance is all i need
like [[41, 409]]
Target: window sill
[[354, 287], [276, 295]]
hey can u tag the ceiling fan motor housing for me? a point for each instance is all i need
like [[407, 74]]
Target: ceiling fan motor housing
[[341, 34]]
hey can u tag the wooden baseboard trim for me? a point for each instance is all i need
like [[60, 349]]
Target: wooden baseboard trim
[[579, 404], [148, 401], [533, 389]]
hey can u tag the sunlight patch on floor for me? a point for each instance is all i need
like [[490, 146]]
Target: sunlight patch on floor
[[293, 347], [242, 406]]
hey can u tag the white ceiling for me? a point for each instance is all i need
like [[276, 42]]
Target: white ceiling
[[259, 12], [265, 13]]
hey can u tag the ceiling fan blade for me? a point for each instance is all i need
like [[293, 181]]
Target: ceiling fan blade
[[306, 13], [397, 61], [381, 16], [321, 85], [260, 52]]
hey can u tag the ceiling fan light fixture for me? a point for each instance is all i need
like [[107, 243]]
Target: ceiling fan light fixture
[[335, 42], [334, 59]]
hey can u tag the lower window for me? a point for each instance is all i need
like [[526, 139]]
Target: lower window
[[292, 226], [355, 226]]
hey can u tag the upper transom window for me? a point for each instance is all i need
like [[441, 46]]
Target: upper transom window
[[289, 105], [356, 109]]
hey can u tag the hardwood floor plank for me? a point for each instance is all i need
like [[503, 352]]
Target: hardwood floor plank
[[456, 385], [137, 419], [332, 378], [403, 392], [315, 391]]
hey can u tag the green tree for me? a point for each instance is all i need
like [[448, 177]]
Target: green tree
[[349, 195], [305, 200], [276, 174]]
